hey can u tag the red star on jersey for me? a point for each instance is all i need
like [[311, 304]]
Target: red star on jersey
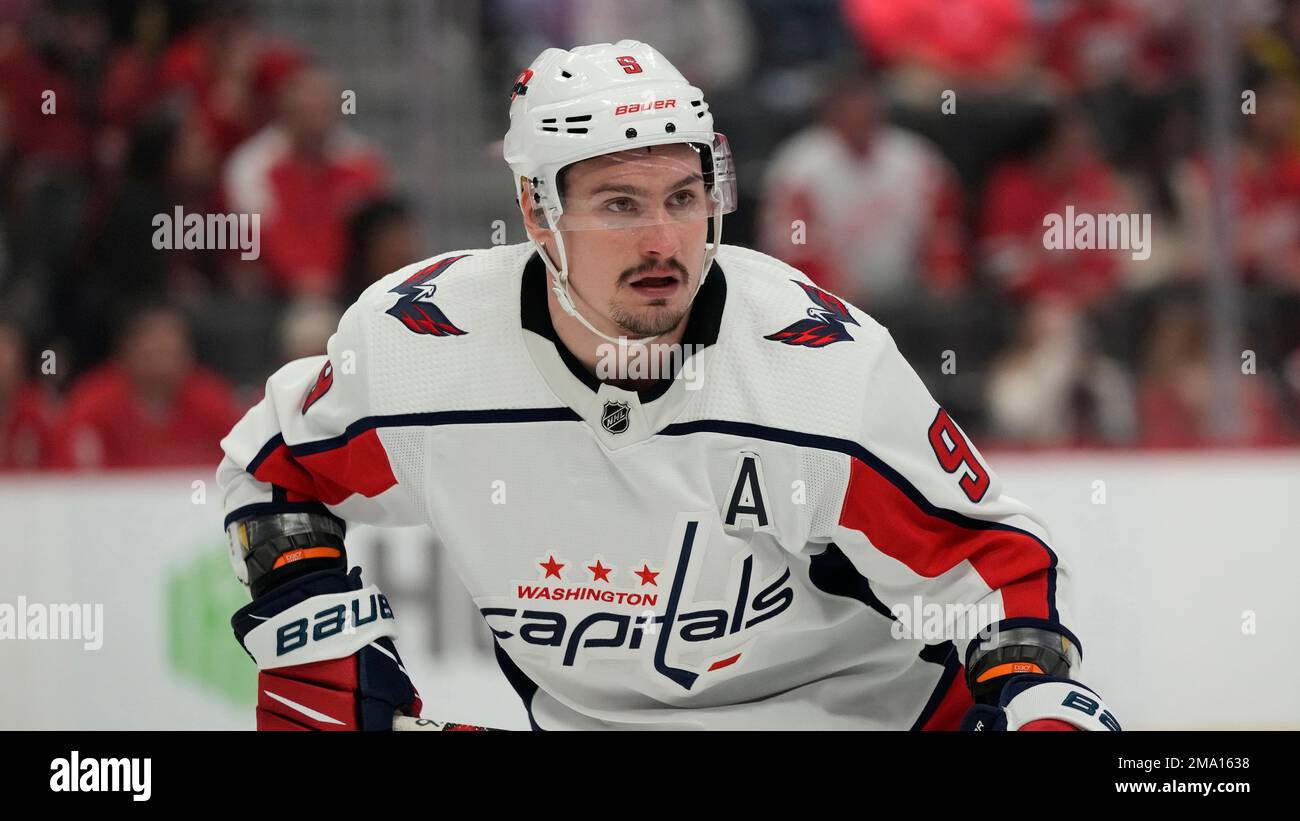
[[552, 567], [599, 572], [647, 575]]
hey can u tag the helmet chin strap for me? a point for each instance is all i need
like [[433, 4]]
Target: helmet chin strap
[[560, 277]]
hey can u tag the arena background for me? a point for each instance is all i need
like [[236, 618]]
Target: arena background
[[904, 153]]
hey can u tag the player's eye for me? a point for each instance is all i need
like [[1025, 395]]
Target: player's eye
[[621, 205], [682, 199]]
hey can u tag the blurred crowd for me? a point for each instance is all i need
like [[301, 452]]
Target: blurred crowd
[[903, 153]]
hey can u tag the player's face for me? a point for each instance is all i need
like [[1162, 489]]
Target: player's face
[[639, 220]]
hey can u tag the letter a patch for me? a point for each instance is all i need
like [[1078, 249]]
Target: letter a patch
[[747, 504]]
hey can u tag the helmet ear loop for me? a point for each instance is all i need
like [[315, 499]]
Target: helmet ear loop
[[533, 208], [708, 164], [710, 248], [560, 274]]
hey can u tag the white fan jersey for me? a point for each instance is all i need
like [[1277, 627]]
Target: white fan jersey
[[790, 534]]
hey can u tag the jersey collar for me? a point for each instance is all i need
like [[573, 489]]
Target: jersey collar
[[648, 410]]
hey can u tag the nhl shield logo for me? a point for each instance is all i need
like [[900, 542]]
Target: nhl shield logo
[[615, 416]]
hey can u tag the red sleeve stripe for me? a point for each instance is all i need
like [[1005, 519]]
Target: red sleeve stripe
[[360, 465], [932, 541], [950, 698], [952, 706]]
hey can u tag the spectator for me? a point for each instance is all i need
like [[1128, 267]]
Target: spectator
[[1268, 186], [1177, 393], [172, 163], [305, 174], [48, 87], [306, 328], [61, 66], [132, 83], [232, 71], [1095, 43], [151, 406], [1275, 51], [381, 240], [1164, 179], [26, 412], [983, 42], [878, 210], [1124, 61], [1053, 388], [1064, 170]]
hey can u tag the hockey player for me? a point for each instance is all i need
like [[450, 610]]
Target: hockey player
[[781, 530]]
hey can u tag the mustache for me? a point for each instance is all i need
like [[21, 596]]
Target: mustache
[[653, 265]]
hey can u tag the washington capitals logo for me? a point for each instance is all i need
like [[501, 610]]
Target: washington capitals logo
[[416, 309], [687, 638], [824, 325]]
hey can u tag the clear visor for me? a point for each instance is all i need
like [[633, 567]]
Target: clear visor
[[673, 183]]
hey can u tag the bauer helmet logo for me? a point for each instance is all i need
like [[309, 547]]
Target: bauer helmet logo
[[636, 108]]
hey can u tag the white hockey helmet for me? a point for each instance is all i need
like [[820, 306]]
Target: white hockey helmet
[[570, 106]]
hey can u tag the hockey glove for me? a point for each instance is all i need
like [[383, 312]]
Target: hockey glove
[[325, 655], [1038, 702]]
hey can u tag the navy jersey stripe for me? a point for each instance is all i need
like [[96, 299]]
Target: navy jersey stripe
[[428, 419]]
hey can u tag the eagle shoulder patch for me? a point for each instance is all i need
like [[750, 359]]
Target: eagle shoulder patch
[[825, 324]]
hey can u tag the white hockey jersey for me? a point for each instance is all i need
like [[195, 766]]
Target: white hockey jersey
[[798, 536]]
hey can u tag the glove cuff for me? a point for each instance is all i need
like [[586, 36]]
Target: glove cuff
[[1027, 699]]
